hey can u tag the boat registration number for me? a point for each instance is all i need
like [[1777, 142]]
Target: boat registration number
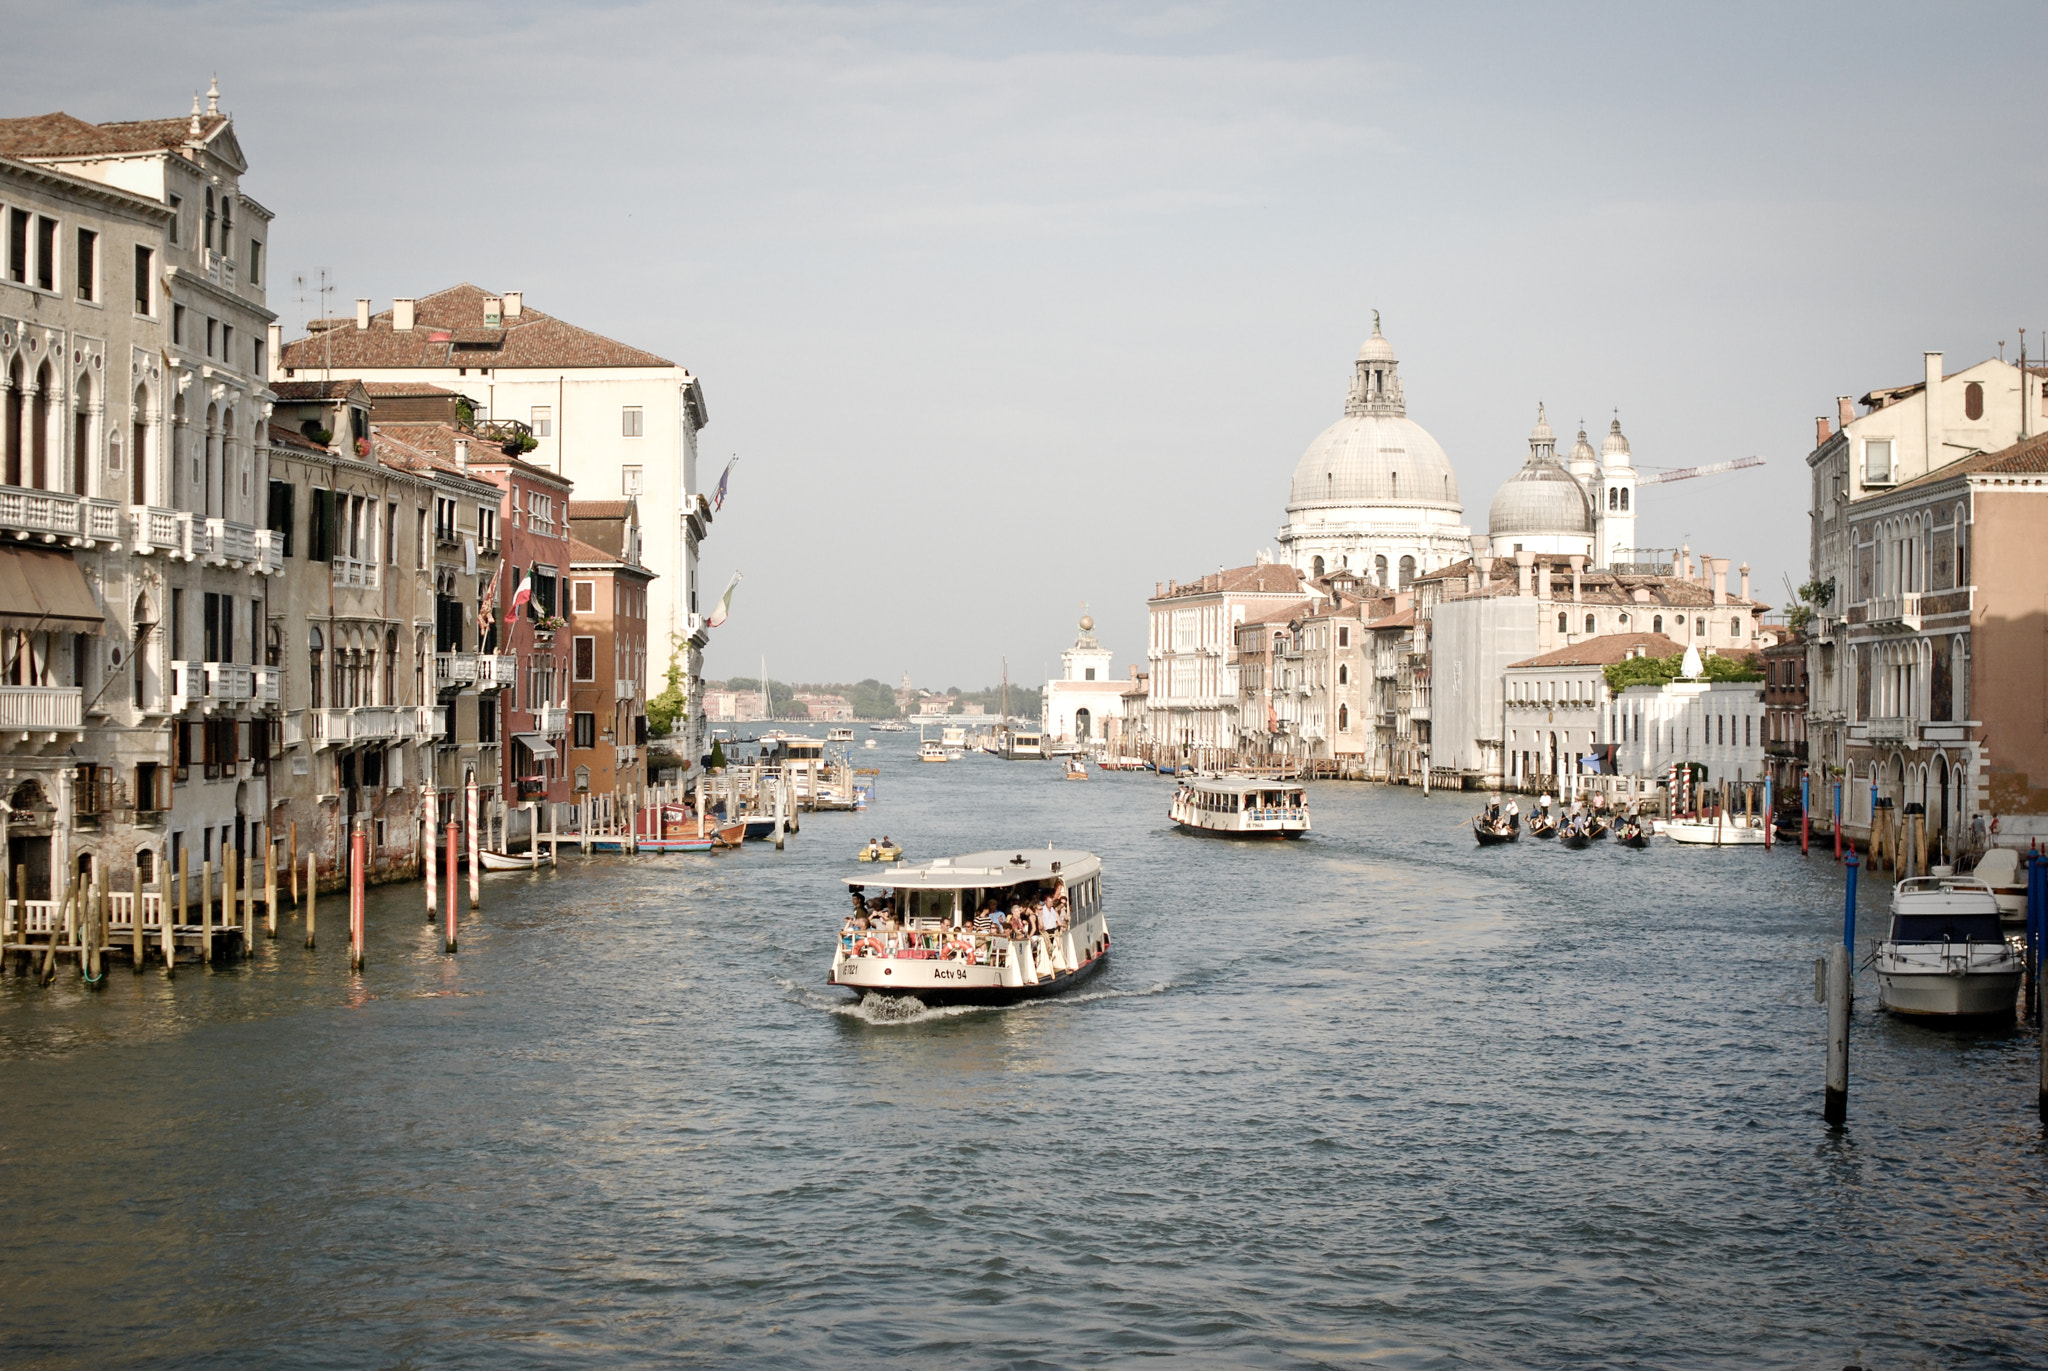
[[949, 973]]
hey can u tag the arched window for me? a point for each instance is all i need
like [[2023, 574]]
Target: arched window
[[138, 660], [1735, 626], [1562, 623], [1316, 567], [1343, 675], [1624, 498], [313, 646], [11, 422], [39, 435], [1589, 623], [138, 449], [1656, 623], [210, 216], [1613, 497], [1407, 571], [1343, 718], [1973, 401], [391, 666], [1379, 571], [74, 474]]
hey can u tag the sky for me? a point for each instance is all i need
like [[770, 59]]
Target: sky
[[1009, 307]]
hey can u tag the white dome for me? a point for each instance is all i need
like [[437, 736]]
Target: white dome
[[1542, 498], [1615, 443], [1374, 459]]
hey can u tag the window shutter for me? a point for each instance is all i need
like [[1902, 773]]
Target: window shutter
[[318, 527]]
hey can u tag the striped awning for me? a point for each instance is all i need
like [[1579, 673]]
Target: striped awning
[[43, 591]]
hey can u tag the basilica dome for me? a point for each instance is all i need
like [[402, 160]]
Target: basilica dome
[[1542, 507]]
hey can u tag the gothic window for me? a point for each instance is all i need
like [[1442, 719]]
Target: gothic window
[[210, 216], [1316, 567], [1343, 675], [1343, 718]]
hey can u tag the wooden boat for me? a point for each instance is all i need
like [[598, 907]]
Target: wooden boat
[[1493, 832], [876, 852], [1075, 770], [1597, 825], [1543, 825], [944, 961], [1632, 834], [507, 861], [1573, 836]]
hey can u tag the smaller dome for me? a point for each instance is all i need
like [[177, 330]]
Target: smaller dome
[[1376, 348], [1615, 443], [1087, 623], [1543, 432], [1540, 498], [1582, 451]]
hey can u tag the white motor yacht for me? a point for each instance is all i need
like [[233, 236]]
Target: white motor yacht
[[1945, 955], [934, 951], [1726, 830], [2006, 873]]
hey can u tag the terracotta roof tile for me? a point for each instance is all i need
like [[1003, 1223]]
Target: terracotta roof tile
[[280, 436], [303, 391], [448, 331], [2029, 455], [388, 390], [60, 135], [1608, 649], [600, 509]]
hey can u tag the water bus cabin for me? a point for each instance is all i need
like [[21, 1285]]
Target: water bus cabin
[[984, 928], [839, 735], [1240, 807], [802, 758], [1023, 747]]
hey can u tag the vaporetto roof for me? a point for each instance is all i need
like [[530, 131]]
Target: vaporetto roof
[[1001, 867]]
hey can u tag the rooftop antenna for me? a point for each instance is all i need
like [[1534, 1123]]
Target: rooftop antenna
[[2023, 383]]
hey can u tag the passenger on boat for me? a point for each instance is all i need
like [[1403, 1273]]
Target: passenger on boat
[[859, 903], [1020, 923], [874, 849], [850, 932]]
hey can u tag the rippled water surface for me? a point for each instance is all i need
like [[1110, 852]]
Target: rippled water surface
[[1379, 1096]]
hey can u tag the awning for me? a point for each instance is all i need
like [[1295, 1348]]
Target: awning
[[43, 591], [539, 746]]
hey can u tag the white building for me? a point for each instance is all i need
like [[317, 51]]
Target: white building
[[1374, 493], [1193, 692], [1558, 703], [1718, 724], [614, 419], [1081, 703]]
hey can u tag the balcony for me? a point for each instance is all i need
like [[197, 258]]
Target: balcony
[[45, 708], [354, 574], [230, 683], [228, 543], [626, 754], [1898, 614], [52, 515], [533, 788], [152, 530], [495, 671], [625, 690], [551, 719], [455, 670], [1892, 730]]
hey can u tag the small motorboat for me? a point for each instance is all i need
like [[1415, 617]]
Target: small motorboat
[[1075, 770], [869, 743], [510, 861], [1493, 832], [839, 735], [1543, 824], [880, 852], [1724, 830], [1632, 834], [1945, 955]]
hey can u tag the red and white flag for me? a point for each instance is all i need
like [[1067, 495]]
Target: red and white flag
[[523, 594]]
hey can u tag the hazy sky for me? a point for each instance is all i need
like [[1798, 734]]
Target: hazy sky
[[1009, 306]]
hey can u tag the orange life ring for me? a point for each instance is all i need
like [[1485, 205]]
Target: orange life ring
[[867, 947], [958, 949]]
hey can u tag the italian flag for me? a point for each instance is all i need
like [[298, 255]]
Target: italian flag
[[724, 603]]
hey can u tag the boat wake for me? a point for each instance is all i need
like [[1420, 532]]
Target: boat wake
[[893, 1011]]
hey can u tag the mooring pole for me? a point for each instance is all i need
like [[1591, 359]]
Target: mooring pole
[[312, 889], [476, 898], [1841, 965], [431, 804], [355, 898], [1838, 821], [448, 937], [1805, 817]]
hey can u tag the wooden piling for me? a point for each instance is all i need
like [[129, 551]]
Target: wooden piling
[[448, 935], [1835, 1108], [164, 912], [245, 884], [135, 918], [293, 864], [533, 835], [356, 913], [184, 884], [312, 889], [476, 898], [270, 851], [429, 822], [206, 911]]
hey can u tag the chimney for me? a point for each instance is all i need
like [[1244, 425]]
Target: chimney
[[494, 311], [1745, 580], [362, 314], [515, 300], [1578, 568], [1935, 428], [1523, 562], [1678, 565], [1720, 566], [275, 351], [1846, 409], [1821, 432], [462, 453], [401, 316], [1685, 562], [1543, 581], [1474, 578]]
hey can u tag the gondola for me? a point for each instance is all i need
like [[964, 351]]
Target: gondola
[[1597, 825], [1543, 825], [1632, 834], [1573, 836], [1492, 834]]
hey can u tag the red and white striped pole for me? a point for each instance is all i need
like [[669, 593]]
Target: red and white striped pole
[[448, 942], [475, 886], [357, 861]]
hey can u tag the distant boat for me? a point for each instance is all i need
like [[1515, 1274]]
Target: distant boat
[[1240, 807], [506, 861], [1725, 830], [839, 735]]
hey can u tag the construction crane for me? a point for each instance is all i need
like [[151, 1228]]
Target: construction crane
[[1687, 473]]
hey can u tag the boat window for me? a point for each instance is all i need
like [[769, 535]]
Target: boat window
[[1934, 928]]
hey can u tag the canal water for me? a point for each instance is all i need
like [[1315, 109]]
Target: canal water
[[1379, 1096]]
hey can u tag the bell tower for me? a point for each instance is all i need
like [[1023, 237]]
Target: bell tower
[[1615, 526]]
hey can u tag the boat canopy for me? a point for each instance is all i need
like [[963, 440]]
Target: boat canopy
[[986, 870], [1243, 785]]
